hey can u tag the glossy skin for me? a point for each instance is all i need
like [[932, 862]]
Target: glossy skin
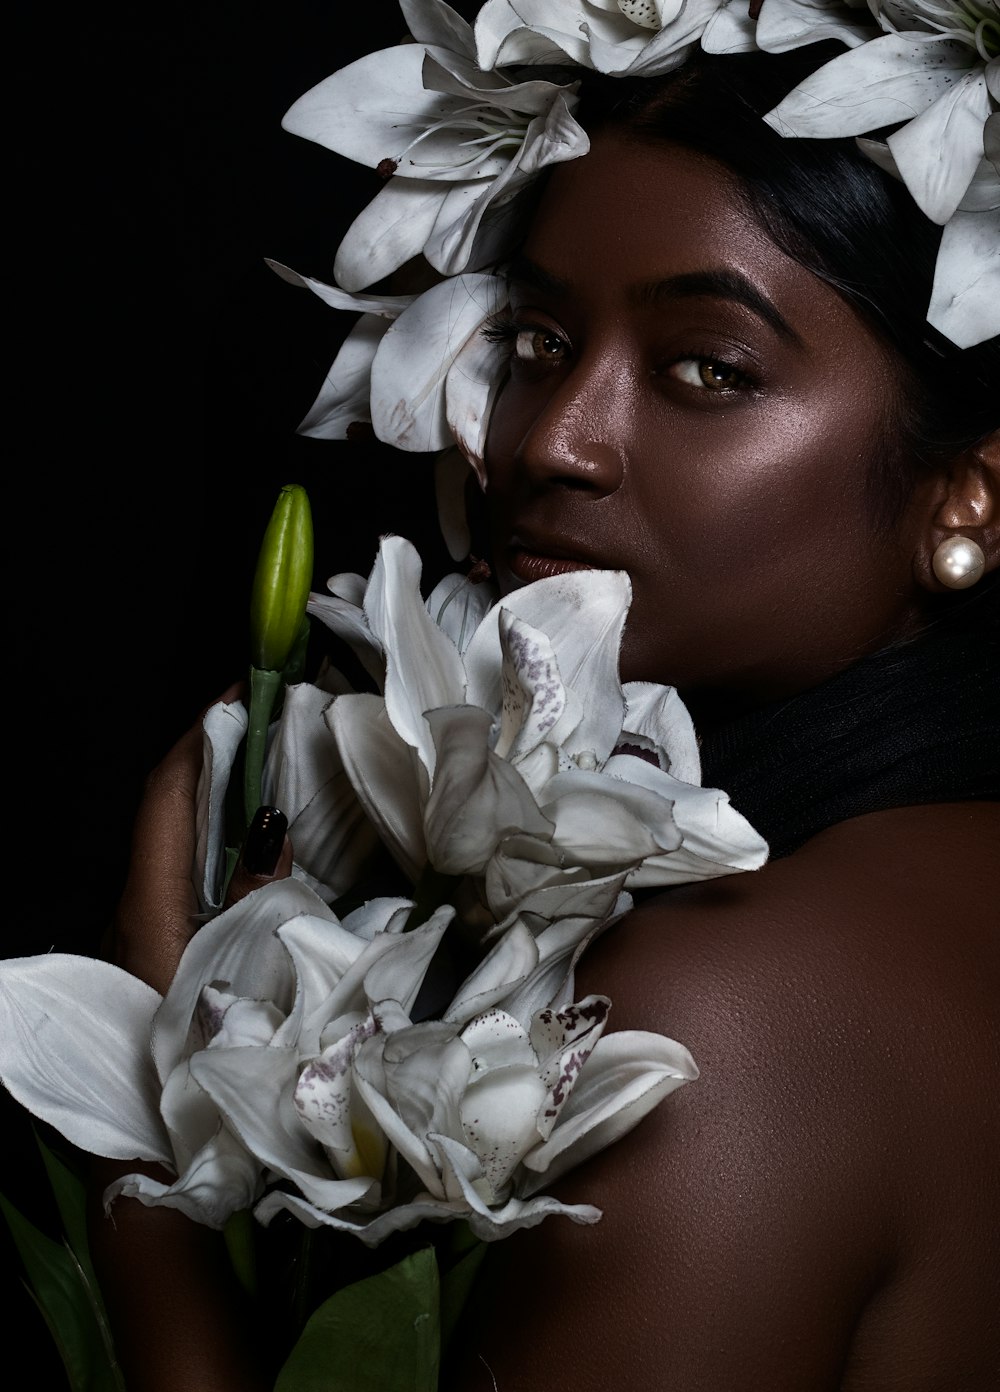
[[716, 451], [811, 1213], [817, 1212]]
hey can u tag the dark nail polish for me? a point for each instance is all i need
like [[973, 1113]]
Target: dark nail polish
[[264, 840]]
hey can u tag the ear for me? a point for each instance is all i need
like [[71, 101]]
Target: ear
[[967, 505]]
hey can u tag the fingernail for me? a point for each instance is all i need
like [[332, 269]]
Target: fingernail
[[264, 840]]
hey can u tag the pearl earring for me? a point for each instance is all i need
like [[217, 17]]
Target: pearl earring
[[958, 562]]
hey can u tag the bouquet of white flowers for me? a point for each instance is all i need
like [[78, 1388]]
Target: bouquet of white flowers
[[320, 1052]]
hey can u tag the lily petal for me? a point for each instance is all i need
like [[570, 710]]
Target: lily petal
[[491, 1223], [938, 152], [458, 604], [878, 84], [586, 653], [471, 389], [388, 232], [370, 110], [966, 292], [416, 355], [224, 726], [74, 1050]]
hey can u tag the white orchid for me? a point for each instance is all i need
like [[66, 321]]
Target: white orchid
[[933, 77], [482, 1115], [304, 776], [116, 1068], [503, 746], [283, 1069], [455, 145], [637, 38]]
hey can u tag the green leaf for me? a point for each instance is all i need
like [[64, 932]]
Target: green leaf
[[378, 1334], [69, 1191], [59, 1288]]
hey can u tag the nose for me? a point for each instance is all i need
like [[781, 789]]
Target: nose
[[576, 437]]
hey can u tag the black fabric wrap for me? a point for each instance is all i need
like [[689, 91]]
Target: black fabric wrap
[[917, 722]]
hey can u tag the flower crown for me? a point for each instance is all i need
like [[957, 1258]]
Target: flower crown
[[459, 124]]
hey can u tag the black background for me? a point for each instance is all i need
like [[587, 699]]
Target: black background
[[161, 371], [157, 370]]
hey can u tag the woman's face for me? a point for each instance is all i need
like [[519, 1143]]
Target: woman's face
[[688, 404]]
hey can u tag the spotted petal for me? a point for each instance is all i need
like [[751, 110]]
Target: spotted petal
[[586, 651], [938, 152], [626, 1076], [881, 83]]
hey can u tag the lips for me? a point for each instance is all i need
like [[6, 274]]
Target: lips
[[539, 558], [529, 565]]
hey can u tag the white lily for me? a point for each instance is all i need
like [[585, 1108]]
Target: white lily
[[624, 37], [455, 144], [344, 399], [781, 25], [514, 755], [395, 368], [482, 1115], [967, 272], [934, 77]]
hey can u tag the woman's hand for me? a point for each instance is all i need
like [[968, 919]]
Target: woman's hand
[[178, 1316], [158, 912]]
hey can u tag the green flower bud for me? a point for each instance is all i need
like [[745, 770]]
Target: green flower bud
[[282, 580]]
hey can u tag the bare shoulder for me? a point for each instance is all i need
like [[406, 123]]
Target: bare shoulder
[[873, 918], [812, 1211]]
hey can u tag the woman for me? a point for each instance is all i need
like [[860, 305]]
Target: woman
[[720, 381]]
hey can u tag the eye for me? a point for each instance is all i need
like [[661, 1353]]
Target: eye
[[531, 343], [708, 374], [540, 345]]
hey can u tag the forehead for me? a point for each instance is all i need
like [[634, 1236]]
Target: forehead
[[631, 214]]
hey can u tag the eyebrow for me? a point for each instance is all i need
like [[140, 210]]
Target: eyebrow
[[720, 284]]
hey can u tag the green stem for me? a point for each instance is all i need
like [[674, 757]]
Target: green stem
[[265, 687]]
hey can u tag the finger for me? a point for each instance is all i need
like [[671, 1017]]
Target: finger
[[266, 854], [158, 911]]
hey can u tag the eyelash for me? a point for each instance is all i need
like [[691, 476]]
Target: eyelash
[[503, 328]]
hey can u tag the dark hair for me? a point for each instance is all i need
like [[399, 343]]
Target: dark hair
[[835, 211]]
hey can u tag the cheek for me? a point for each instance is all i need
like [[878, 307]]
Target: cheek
[[762, 486]]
